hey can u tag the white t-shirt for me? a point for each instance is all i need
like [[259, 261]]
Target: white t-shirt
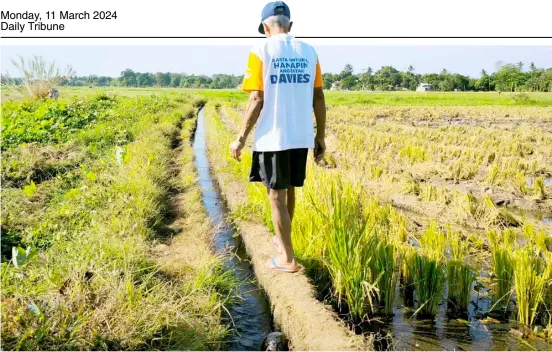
[[287, 71]]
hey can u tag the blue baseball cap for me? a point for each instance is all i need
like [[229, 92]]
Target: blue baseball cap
[[273, 9]]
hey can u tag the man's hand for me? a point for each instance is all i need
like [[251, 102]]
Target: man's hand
[[319, 148], [235, 149]]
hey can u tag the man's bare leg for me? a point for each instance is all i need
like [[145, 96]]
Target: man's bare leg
[[282, 226], [291, 202]]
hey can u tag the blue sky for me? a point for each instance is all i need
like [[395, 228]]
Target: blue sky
[[111, 60]]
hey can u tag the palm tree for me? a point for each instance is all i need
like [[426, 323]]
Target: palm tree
[[410, 68], [520, 66]]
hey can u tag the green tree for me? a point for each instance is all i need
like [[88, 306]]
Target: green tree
[[128, 78], [347, 71], [387, 75], [328, 79], [350, 82], [159, 79], [509, 78], [365, 78]]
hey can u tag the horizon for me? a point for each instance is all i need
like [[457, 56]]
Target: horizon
[[205, 60]]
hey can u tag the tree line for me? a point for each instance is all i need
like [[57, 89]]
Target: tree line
[[508, 77]]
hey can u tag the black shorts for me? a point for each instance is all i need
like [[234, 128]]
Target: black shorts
[[279, 170]]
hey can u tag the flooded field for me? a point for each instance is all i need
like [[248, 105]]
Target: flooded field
[[464, 204]]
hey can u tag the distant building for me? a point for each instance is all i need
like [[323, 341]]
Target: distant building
[[423, 87], [336, 85]]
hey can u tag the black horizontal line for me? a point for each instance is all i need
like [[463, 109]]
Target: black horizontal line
[[299, 37]]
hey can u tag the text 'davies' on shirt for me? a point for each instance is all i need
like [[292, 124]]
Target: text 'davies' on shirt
[[287, 71]]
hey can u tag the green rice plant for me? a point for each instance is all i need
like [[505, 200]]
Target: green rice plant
[[520, 183], [463, 169], [408, 254], [385, 265], [501, 245], [531, 282], [539, 189], [460, 281], [398, 231], [460, 276], [433, 241], [492, 175], [413, 153], [429, 193], [350, 248], [308, 222], [429, 278], [410, 186], [430, 271], [547, 301], [535, 237]]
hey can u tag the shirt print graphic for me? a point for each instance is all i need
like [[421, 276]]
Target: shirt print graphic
[[291, 70]]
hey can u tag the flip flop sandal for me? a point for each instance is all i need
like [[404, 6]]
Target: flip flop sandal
[[276, 244], [275, 267]]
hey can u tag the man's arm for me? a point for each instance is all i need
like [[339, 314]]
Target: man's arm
[[319, 107], [252, 112]]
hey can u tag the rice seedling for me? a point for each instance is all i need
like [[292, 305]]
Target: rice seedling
[[429, 271], [460, 276], [520, 182], [539, 189], [535, 237], [407, 273], [501, 245], [385, 262], [530, 282]]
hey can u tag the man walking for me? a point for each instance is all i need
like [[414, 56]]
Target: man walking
[[284, 80]]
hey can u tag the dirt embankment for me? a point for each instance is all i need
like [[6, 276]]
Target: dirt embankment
[[308, 323]]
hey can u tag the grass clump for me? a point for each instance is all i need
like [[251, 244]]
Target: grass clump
[[38, 76]]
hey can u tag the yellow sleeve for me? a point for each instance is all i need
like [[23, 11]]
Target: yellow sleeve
[[253, 79], [318, 83]]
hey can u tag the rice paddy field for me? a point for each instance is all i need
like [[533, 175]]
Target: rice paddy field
[[430, 220], [427, 226]]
